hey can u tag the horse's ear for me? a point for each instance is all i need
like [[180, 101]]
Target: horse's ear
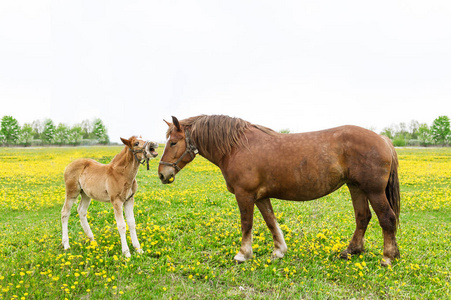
[[126, 142], [176, 123], [169, 124]]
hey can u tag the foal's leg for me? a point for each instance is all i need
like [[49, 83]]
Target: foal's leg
[[387, 220], [117, 205], [246, 206], [83, 212], [362, 218], [71, 196], [129, 216], [280, 247]]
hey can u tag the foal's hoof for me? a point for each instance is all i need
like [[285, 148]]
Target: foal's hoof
[[140, 251], [241, 258], [127, 253]]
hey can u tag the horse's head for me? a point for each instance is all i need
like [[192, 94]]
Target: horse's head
[[175, 152], [141, 149]]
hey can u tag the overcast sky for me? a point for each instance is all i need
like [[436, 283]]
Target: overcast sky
[[301, 65]]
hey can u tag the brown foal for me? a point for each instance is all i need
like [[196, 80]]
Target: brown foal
[[114, 182]]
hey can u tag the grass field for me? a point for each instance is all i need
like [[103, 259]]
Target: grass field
[[190, 231]]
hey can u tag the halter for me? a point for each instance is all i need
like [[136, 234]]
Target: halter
[[190, 149], [146, 159]]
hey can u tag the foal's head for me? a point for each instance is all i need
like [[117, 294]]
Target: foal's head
[[178, 152], [141, 149]]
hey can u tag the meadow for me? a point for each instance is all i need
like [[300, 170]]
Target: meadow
[[190, 231]]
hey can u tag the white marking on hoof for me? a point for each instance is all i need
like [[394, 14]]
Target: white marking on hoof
[[66, 245], [278, 254], [240, 257], [385, 262]]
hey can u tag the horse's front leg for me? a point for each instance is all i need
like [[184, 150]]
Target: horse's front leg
[[246, 206], [129, 216], [117, 206], [280, 247]]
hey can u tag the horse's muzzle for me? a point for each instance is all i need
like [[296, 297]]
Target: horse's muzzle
[[166, 175], [151, 149]]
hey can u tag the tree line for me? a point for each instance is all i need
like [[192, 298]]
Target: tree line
[[40, 133], [45, 132], [420, 134]]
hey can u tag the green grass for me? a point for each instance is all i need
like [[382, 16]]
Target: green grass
[[190, 231]]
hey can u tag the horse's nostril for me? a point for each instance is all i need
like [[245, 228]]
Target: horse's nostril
[[161, 176]]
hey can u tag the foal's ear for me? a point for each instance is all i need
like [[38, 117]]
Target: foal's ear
[[169, 124], [176, 123], [126, 142]]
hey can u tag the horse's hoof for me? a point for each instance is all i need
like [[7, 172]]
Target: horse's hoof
[[277, 254], [345, 255], [127, 253], [140, 251], [385, 262], [241, 258]]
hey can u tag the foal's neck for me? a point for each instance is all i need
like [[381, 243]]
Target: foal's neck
[[125, 162]]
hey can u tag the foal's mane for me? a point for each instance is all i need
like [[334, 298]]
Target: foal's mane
[[218, 133]]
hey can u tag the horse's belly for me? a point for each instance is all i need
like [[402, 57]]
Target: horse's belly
[[94, 188], [99, 195], [303, 190]]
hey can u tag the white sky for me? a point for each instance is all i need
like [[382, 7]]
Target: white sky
[[302, 65]]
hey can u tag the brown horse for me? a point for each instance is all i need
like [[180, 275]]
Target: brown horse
[[258, 164], [114, 182]]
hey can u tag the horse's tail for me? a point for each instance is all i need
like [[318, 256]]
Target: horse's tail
[[392, 190]]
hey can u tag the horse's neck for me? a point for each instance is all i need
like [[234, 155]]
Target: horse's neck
[[126, 163]]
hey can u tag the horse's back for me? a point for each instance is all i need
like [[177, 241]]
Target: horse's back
[[87, 175], [78, 166], [306, 166]]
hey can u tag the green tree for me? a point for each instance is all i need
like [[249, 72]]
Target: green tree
[[37, 129], [48, 132], [75, 135], [286, 130], [61, 136], [413, 129], [440, 130], [388, 132], [10, 130], [26, 135], [424, 134], [100, 132], [87, 129]]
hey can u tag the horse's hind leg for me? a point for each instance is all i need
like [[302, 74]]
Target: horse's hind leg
[[83, 212], [72, 192], [280, 247], [362, 218], [129, 216], [387, 220]]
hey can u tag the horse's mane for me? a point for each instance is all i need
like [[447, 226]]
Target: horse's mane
[[218, 133]]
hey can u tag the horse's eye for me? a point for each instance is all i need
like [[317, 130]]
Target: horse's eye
[[173, 144], [136, 144]]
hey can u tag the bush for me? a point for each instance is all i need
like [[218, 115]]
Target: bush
[[399, 141]]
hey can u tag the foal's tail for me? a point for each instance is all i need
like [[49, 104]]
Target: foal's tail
[[392, 190]]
